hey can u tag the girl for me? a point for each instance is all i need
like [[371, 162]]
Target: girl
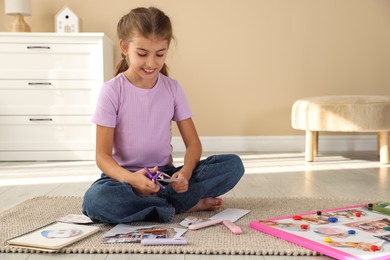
[[133, 131]]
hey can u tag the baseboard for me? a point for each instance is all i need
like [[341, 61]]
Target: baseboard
[[294, 143]]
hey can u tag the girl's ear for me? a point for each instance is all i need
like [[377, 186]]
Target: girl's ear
[[124, 47]]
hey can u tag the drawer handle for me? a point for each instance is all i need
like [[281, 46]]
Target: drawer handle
[[40, 119], [39, 84], [38, 47]]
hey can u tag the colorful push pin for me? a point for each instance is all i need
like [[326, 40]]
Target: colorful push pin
[[328, 240], [387, 228], [332, 220], [358, 214], [319, 213], [304, 227], [369, 206], [351, 232], [297, 217], [374, 248]]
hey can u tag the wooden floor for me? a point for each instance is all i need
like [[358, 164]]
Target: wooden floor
[[357, 175]]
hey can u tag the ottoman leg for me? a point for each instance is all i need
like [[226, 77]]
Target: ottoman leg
[[310, 145], [316, 143], [384, 147]]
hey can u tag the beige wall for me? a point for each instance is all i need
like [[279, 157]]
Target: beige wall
[[243, 63]]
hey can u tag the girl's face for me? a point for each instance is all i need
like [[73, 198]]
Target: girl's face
[[146, 57]]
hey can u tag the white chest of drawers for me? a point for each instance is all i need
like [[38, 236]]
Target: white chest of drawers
[[49, 84]]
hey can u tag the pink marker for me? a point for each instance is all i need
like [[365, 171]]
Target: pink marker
[[233, 227], [204, 224]]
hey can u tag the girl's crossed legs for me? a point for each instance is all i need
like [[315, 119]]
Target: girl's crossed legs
[[111, 201]]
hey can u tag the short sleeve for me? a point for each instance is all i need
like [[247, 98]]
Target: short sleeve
[[182, 108], [107, 107]]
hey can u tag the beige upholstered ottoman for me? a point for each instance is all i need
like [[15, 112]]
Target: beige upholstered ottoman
[[343, 114]]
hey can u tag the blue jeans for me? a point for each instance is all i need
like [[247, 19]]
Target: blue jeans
[[110, 201]]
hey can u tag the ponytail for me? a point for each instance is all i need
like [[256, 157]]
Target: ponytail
[[122, 66], [164, 70]]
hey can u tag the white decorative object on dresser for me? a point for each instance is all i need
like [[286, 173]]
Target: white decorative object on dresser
[[49, 84]]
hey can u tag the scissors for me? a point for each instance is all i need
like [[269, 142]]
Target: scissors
[[157, 177]]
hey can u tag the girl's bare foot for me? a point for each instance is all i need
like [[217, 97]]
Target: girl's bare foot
[[210, 204]]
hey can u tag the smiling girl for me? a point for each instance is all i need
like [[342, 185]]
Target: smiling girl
[[133, 121]]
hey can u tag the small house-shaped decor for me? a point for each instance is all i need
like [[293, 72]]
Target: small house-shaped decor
[[67, 21]]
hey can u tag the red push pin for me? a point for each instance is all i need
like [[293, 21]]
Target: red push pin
[[374, 248], [297, 217], [304, 227], [358, 214]]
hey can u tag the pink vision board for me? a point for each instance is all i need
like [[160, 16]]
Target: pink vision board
[[313, 241]]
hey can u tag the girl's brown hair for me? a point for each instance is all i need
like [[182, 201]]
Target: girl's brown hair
[[146, 22]]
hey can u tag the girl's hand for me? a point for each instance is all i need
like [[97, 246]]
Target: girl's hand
[[181, 185], [142, 184]]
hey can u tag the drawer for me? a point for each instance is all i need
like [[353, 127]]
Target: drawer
[[54, 133], [55, 97], [50, 61]]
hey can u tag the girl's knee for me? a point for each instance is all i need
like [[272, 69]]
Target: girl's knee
[[96, 198], [231, 167], [90, 201], [236, 164]]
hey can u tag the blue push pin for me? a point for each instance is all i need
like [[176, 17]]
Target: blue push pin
[[351, 232], [333, 220]]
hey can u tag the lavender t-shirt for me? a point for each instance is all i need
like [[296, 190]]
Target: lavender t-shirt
[[142, 120]]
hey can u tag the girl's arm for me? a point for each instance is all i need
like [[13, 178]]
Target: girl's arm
[[192, 155], [107, 164]]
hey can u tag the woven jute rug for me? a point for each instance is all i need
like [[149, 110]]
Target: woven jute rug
[[39, 211]]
